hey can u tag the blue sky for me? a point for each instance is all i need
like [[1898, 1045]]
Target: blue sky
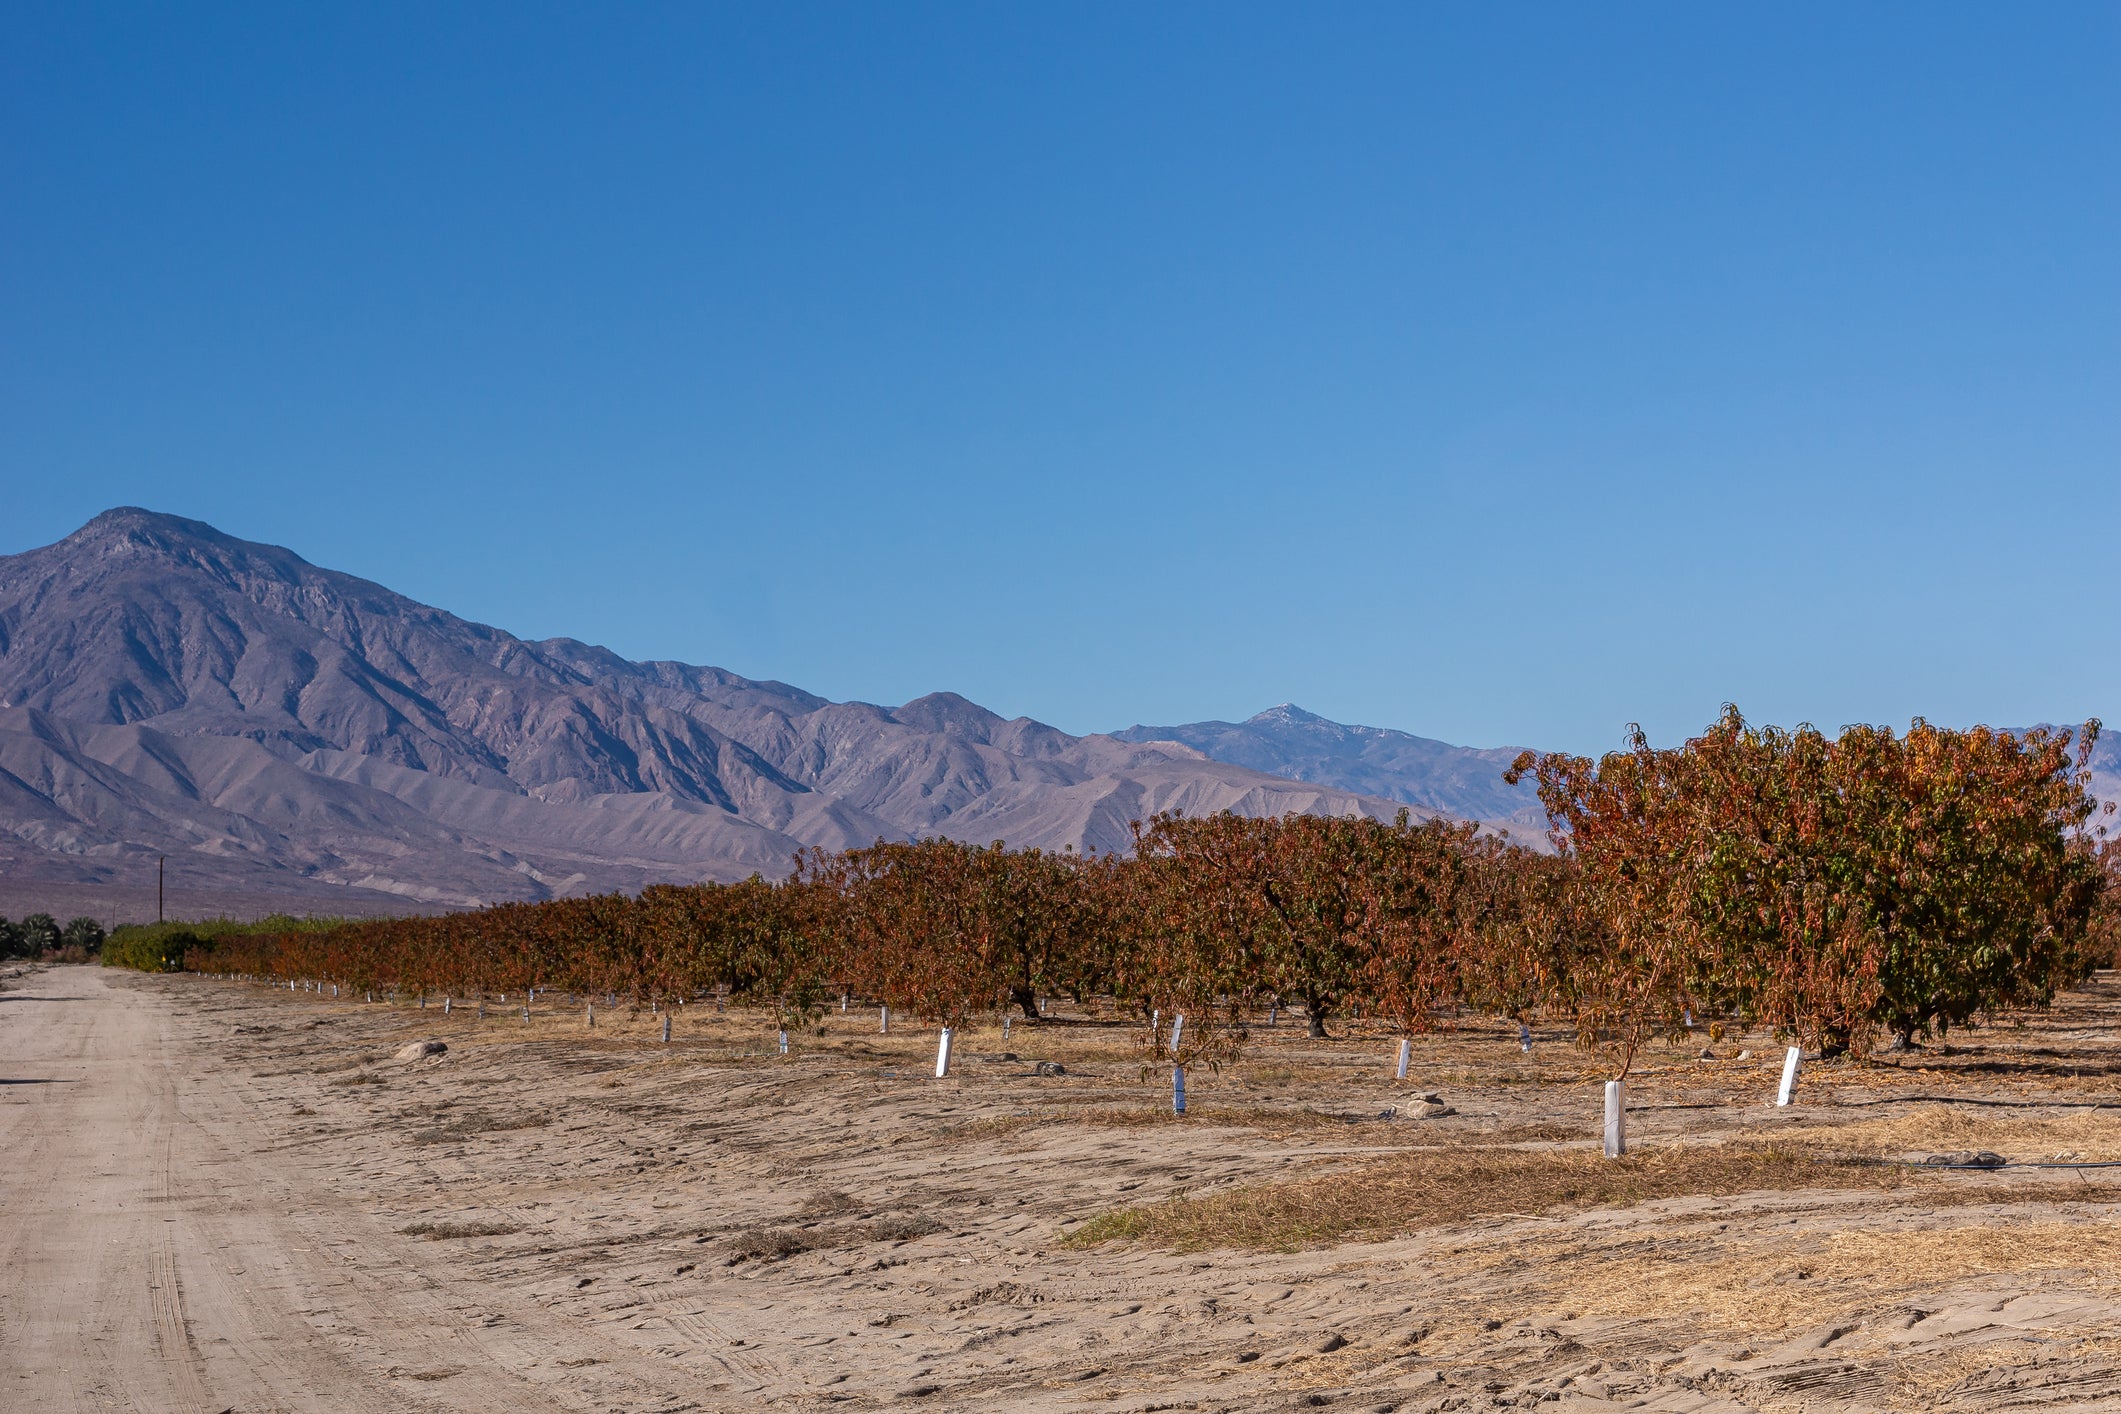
[[1503, 374]]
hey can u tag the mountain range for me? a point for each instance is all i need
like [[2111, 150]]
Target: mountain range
[[1463, 782], [290, 736], [281, 736]]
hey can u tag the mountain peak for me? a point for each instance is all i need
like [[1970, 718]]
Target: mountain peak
[[948, 712], [1288, 713], [131, 530], [138, 520], [131, 517]]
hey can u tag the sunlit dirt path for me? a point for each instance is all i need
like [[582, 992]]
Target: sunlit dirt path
[[164, 1249]]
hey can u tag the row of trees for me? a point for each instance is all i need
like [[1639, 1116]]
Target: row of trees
[[40, 933], [1842, 890]]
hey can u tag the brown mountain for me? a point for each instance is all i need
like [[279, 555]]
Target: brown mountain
[[290, 735]]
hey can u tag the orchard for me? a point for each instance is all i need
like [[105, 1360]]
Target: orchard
[[1846, 892]]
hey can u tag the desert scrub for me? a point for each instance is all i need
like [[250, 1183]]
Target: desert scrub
[[1434, 1189]]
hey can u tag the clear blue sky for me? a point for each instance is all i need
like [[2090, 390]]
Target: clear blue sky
[[1498, 373]]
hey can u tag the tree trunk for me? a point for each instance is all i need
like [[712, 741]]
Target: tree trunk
[[1316, 1010], [1026, 999]]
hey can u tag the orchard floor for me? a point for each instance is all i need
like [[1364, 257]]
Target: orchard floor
[[218, 1196]]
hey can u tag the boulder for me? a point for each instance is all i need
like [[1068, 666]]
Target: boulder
[[420, 1050]]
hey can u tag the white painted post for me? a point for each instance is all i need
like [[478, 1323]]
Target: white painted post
[[1156, 1024], [666, 1027], [883, 1021], [423, 1001], [589, 1014], [1406, 1053], [526, 1013], [1616, 1118], [1006, 1019], [784, 1043], [843, 1003], [1791, 1060], [1041, 1006], [1273, 1012], [942, 1053], [1178, 1089], [482, 1006], [1524, 1037], [1178, 1029], [445, 1006]]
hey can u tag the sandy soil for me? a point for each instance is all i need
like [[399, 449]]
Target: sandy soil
[[222, 1197]]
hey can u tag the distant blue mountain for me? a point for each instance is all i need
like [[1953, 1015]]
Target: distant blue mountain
[[1433, 775]]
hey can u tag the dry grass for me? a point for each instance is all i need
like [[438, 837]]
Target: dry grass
[[1540, 1131], [436, 1232], [1262, 1119], [2086, 1135], [471, 1126], [1438, 1188], [1768, 1286], [774, 1244], [829, 1205]]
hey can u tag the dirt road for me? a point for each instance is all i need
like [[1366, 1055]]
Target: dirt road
[[221, 1197], [166, 1248]]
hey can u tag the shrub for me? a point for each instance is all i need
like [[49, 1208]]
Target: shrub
[[150, 947]]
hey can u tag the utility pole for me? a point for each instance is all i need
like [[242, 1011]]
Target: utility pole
[[160, 860]]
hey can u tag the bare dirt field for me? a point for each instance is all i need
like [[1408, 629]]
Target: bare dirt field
[[217, 1196]]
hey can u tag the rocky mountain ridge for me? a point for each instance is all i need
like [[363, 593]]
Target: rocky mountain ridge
[[282, 730]]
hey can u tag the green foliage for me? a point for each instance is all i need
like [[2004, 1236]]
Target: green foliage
[[163, 947], [152, 947]]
